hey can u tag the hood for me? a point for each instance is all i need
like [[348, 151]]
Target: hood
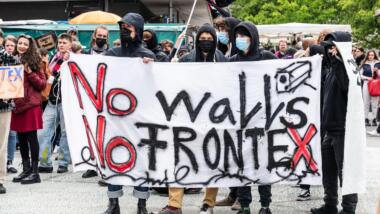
[[208, 29], [232, 23], [254, 34], [136, 20], [338, 36], [316, 49], [153, 41]]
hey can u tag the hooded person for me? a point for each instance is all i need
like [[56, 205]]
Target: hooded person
[[335, 99], [205, 47], [205, 51], [151, 43], [225, 29], [99, 41], [247, 41], [131, 37]]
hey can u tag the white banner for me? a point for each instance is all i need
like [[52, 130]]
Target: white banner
[[194, 124]]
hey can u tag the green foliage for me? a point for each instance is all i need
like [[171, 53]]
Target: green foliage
[[357, 13]]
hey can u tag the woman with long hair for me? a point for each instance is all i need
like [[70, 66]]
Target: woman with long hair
[[27, 116], [368, 71]]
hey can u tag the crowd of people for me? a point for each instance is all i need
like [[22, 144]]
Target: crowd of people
[[36, 121]]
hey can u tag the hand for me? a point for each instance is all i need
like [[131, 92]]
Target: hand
[[147, 60], [333, 51], [27, 69], [66, 56], [174, 59]]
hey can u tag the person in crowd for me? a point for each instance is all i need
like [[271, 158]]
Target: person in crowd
[[73, 31], [27, 116], [323, 34], [368, 71], [131, 37], [99, 40], [9, 59], [205, 51], [53, 114], [116, 43], [76, 47], [282, 47], [359, 56], [225, 28], [353, 51], [151, 43], [168, 48], [289, 53], [1, 39], [247, 41], [333, 122], [305, 43], [183, 50]]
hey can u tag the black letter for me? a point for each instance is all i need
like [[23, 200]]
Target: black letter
[[244, 119], [254, 134], [227, 112], [230, 145], [178, 145], [272, 149], [290, 109], [212, 134], [268, 107]]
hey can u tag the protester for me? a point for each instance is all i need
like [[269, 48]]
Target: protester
[[359, 56], [167, 47], [73, 31], [99, 40], [131, 37], [322, 35], [76, 47], [225, 28], [116, 43], [368, 71], [53, 114], [205, 51], [282, 47], [333, 122], [247, 41], [151, 43], [27, 117]]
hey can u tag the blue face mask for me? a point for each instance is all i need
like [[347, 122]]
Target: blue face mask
[[242, 44], [223, 38]]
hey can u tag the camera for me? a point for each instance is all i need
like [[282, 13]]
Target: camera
[[289, 78]]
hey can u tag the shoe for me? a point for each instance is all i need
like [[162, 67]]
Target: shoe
[[191, 191], [367, 122], [170, 210], [34, 177], [374, 123], [373, 133], [304, 195], [2, 189], [10, 168], [90, 174], [206, 209], [236, 205], [113, 206], [244, 210], [45, 169], [325, 210], [62, 169], [226, 202], [265, 211], [102, 183], [141, 207], [26, 171]]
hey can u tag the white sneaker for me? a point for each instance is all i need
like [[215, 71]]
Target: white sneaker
[[373, 133], [205, 209], [304, 195]]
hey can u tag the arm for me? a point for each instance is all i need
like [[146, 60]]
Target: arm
[[37, 79]]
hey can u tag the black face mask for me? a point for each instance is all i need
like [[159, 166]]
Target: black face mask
[[149, 44], [125, 36], [100, 42], [206, 46], [167, 52]]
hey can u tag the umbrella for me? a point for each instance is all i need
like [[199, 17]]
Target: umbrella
[[96, 17]]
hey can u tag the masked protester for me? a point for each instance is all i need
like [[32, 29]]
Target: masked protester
[[205, 51], [225, 27], [247, 41], [131, 37], [151, 43], [333, 122], [99, 41]]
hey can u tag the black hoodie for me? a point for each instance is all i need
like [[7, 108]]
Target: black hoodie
[[155, 48], [335, 93], [254, 54], [196, 55], [232, 23], [135, 48]]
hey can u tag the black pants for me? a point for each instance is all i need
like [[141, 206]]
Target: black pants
[[29, 140], [332, 165], [244, 195]]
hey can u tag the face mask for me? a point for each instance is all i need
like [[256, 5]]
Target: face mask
[[100, 42], [149, 44], [125, 36], [242, 44], [206, 46], [167, 52], [223, 38]]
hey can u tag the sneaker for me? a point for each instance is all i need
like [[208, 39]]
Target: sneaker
[[374, 123], [324, 210], [373, 133], [244, 210], [89, 174], [62, 169], [367, 122], [236, 205], [10, 168], [225, 202], [170, 210], [304, 195], [206, 209], [102, 183], [43, 169], [2, 189], [265, 210]]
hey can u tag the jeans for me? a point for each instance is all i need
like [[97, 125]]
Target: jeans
[[245, 197], [52, 117], [116, 191], [12, 140]]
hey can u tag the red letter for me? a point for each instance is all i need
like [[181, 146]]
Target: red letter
[[114, 111], [120, 167], [101, 126]]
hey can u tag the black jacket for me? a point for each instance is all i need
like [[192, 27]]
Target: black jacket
[[134, 49], [335, 92], [254, 54], [359, 60], [155, 48], [197, 56]]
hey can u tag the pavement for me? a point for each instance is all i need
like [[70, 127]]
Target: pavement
[[70, 194]]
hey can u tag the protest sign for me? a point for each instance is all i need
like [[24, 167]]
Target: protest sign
[[11, 82]]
